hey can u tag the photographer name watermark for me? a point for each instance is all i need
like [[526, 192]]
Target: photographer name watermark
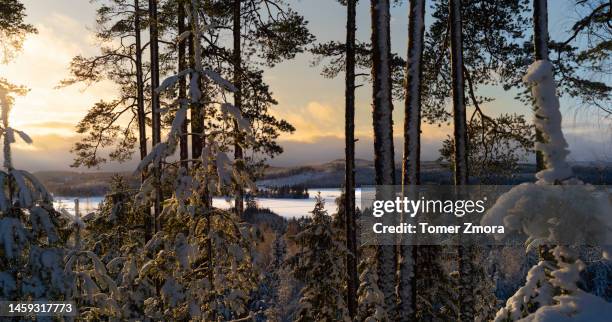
[[457, 215]]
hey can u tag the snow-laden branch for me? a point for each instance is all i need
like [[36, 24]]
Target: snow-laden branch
[[548, 121]]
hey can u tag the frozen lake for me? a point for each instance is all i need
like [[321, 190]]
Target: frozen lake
[[289, 208], [86, 205]]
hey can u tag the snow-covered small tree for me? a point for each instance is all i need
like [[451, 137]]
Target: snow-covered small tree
[[437, 289], [267, 300], [106, 264], [317, 265], [485, 301], [371, 301], [32, 233]]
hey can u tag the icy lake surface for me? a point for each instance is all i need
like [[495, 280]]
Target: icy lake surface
[[288, 208]]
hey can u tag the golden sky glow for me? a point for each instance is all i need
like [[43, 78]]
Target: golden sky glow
[[314, 105]]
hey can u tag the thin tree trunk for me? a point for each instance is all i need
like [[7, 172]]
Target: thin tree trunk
[[349, 175], [182, 65], [197, 112], [140, 85], [238, 154], [383, 137], [412, 156], [465, 253], [142, 125], [156, 119], [540, 39]]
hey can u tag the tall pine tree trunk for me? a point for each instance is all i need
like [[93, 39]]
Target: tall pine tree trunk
[[411, 167], [349, 174], [238, 153], [412, 156], [182, 94], [156, 119], [458, 88], [142, 125], [465, 253], [540, 39], [383, 137]]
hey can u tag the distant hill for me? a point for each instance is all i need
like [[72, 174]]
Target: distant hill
[[331, 174], [325, 175], [81, 184]]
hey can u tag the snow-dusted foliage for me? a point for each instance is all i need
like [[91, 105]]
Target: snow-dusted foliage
[[103, 262], [318, 265], [486, 303], [555, 209], [199, 264], [32, 233], [552, 294]]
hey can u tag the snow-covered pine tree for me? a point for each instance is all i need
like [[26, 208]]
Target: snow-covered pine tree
[[114, 236], [371, 301], [271, 284], [263, 34], [485, 301], [32, 233], [437, 290], [318, 264], [550, 292], [183, 259]]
